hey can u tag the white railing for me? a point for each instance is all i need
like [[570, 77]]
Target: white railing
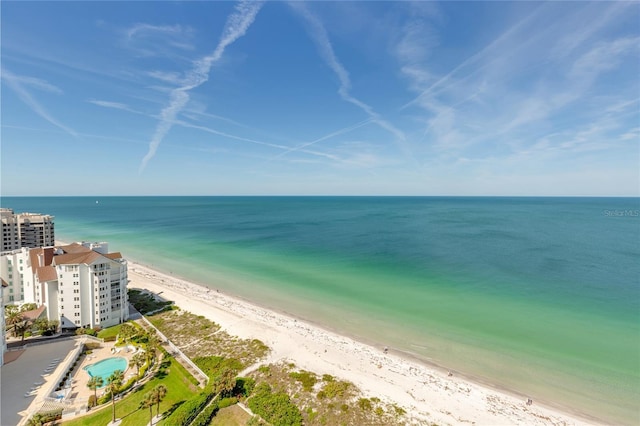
[[176, 350]]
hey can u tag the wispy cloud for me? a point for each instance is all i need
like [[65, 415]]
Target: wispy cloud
[[236, 26], [321, 38], [17, 84], [505, 98], [142, 29]]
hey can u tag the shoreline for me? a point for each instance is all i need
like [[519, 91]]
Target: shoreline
[[423, 388]]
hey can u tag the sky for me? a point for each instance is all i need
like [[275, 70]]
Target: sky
[[320, 98]]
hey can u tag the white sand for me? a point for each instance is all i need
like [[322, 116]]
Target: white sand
[[429, 395]]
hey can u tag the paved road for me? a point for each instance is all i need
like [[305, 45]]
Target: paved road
[[18, 377]]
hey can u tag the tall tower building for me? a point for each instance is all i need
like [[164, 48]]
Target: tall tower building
[[26, 230]]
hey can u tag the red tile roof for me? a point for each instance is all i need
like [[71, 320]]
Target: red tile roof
[[74, 248], [36, 253], [46, 273], [75, 258], [34, 314]]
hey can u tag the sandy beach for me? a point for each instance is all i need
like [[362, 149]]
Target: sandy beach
[[427, 393]]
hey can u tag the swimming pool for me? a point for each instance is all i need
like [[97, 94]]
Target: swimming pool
[[106, 367]]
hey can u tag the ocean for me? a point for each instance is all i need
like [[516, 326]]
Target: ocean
[[538, 296]]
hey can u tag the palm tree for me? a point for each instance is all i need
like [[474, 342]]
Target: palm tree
[[138, 360], [152, 347], [95, 383], [147, 402], [225, 381], [13, 317], [159, 393], [21, 328], [127, 331], [114, 382], [42, 324]]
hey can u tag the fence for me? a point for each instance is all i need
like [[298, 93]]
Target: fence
[[176, 351]]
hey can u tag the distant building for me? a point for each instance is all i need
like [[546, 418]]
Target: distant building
[[3, 326], [26, 230], [81, 284]]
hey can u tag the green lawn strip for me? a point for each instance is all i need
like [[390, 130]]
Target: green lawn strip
[[230, 416], [175, 378], [110, 332]]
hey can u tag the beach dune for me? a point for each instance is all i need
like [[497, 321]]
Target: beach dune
[[428, 394]]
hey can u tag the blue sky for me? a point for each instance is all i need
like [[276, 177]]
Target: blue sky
[[388, 98]]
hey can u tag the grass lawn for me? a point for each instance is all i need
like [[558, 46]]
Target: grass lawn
[[230, 416], [179, 388], [109, 332]]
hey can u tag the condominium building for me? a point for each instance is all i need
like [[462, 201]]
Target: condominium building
[[15, 272], [3, 327], [26, 230], [81, 284]]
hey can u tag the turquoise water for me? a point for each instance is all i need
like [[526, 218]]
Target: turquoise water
[[540, 296], [106, 367]]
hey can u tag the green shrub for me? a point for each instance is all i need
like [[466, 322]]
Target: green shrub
[[364, 404], [188, 411], [307, 378], [93, 401], [335, 389], [205, 416], [104, 398], [227, 402], [213, 365], [244, 386], [275, 408]]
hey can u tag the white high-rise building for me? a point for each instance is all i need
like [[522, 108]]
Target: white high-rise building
[[14, 270], [3, 327], [26, 230], [81, 284]]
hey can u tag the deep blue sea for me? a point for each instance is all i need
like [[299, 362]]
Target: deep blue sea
[[540, 296]]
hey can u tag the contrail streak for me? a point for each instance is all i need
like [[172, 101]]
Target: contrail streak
[[236, 26], [14, 82]]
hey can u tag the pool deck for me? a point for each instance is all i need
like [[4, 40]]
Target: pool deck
[[81, 377], [35, 372], [24, 370]]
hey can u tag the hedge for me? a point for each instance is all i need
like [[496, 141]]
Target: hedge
[[188, 411]]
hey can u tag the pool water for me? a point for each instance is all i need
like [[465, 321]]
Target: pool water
[[106, 367]]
